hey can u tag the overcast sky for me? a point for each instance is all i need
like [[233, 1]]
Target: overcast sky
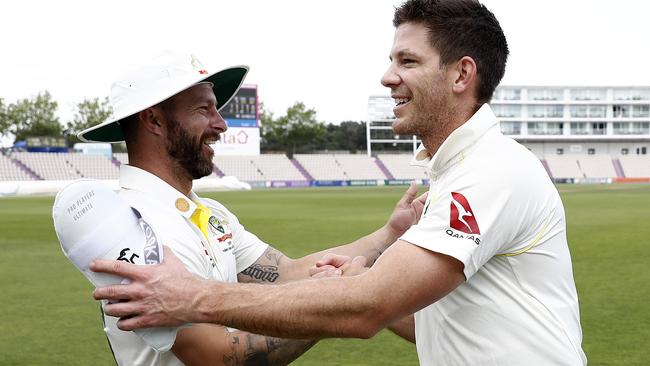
[[328, 54]]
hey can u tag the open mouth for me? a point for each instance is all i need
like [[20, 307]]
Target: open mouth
[[401, 101], [210, 141]]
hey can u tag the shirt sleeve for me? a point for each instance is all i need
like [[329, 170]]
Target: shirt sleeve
[[472, 220]]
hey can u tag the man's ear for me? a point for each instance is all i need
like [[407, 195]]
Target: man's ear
[[466, 76], [151, 119]]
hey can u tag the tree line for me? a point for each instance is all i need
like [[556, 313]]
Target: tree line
[[296, 131]]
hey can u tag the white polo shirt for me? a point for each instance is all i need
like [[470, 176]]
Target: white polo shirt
[[228, 249], [492, 206]]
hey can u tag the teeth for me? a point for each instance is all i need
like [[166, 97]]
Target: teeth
[[400, 101]]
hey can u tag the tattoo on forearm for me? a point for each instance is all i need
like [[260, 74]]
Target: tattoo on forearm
[[273, 256], [265, 269], [262, 273], [263, 351]]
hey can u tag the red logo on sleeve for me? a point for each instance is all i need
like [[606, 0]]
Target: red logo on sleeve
[[461, 216]]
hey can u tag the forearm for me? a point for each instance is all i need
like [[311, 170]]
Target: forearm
[[404, 328], [370, 246], [293, 310], [253, 349], [207, 344]]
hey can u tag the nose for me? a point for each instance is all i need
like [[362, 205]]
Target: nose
[[390, 78], [217, 122]]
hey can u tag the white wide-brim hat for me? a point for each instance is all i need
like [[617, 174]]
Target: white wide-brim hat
[[163, 77]]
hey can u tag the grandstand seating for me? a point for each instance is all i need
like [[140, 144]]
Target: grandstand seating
[[564, 166], [635, 166], [49, 166], [322, 166], [123, 158], [398, 165], [68, 166], [9, 171], [241, 167], [359, 166], [277, 167], [597, 166], [94, 166], [258, 168]]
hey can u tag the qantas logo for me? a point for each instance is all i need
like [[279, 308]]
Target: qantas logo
[[461, 216]]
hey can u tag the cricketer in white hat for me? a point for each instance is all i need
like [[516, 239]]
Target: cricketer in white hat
[[167, 112]]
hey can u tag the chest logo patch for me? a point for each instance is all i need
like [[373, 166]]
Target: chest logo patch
[[461, 216], [216, 224]]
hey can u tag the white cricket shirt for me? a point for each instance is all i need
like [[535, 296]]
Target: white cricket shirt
[[228, 249], [492, 206]]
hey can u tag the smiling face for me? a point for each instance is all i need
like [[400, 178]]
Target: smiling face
[[418, 85], [193, 123]]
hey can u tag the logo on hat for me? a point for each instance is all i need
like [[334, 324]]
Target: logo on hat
[[461, 216], [197, 65]]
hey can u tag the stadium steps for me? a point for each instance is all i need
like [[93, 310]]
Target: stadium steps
[[301, 169], [618, 168], [217, 171], [383, 169], [115, 161], [26, 169], [547, 168]]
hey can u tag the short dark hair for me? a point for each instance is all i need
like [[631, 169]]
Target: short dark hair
[[459, 28]]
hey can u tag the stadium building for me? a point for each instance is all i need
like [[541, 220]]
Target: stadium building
[[579, 133]]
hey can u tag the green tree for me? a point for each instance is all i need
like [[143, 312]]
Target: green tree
[[348, 135], [4, 126], [270, 141], [33, 117], [89, 113], [297, 131]]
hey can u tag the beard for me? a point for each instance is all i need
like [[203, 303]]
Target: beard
[[431, 114], [188, 151]]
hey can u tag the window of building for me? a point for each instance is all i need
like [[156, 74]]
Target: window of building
[[642, 150], [559, 151], [580, 128], [631, 128], [507, 94], [511, 128], [546, 111], [588, 111], [545, 94], [625, 151], [640, 111], [591, 151], [631, 94], [507, 111], [598, 128], [588, 94], [621, 111], [545, 128]]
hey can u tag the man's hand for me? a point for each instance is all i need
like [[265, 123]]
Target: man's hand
[[334, 265], [157, 294], [407, 211]]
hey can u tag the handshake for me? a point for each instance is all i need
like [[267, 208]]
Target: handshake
[[335, 265]]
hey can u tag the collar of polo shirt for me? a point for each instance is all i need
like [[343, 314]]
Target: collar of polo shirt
[[139, 179], [459, 140]]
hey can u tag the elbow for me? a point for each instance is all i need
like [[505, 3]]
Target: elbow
[[367, 325], [367, 332]]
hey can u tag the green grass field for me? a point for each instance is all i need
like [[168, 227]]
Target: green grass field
[[47, 316]]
